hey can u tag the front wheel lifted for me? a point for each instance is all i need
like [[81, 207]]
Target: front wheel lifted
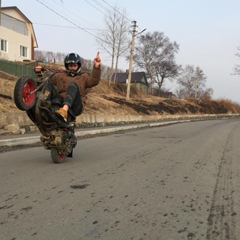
[[23, 97], [56, 156]]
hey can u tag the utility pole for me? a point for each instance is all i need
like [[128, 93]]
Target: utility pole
[[131, 60], [196, 82], [134, 34]]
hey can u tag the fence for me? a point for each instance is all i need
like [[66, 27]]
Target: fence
[[17, 69], [160, 93]]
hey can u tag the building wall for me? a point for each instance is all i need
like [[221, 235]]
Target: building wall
[[13, 13], [15, 39]]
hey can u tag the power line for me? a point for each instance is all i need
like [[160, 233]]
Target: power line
[[67, 19], [106, 8], [95, 7], [60, 26], [117, 11], [100, 5], [72, 12], [54, 25]]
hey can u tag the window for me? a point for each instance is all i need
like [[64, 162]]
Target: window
[[23, 51], [13, 24], [3, 45]]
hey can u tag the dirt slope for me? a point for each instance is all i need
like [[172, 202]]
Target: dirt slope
[[105, 99]]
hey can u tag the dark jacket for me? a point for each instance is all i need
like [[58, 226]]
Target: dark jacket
[[62, 80]]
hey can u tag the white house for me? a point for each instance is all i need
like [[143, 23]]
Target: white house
[[17, 37]]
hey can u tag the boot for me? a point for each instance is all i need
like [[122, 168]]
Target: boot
[[62, 114]]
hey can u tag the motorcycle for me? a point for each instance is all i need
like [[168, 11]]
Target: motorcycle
[[57, 135]]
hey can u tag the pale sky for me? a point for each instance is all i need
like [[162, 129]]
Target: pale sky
[[208, 32]]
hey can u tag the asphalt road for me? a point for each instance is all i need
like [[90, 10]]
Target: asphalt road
[[172, 182]]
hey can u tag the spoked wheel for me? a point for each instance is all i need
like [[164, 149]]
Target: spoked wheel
[[56, 157], [23, 97]]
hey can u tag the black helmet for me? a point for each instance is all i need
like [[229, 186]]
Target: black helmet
[[73, 58]]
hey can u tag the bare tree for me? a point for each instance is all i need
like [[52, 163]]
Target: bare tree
[[39, 55], [122, 40], [156, 54], [236, 69], [186, 83], [50, 56], [59, 57], [87, 64], [192, 83], [114, 39], [168, 69]]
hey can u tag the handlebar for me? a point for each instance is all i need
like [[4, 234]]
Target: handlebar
[[40, 69]]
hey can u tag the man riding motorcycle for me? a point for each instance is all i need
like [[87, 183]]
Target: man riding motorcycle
[[54, 99], [70, 87]]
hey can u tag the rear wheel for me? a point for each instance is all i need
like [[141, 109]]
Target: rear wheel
[[22, 97], [56, 156]]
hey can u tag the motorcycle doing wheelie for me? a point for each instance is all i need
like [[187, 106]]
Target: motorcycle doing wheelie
[[57, 135]]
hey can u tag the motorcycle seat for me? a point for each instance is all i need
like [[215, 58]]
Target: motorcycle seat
[[57, 101]]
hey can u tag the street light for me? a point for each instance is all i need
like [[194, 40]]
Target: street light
[[134, 34]]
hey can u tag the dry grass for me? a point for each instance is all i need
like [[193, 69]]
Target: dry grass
[[230, 105], [105, 99]]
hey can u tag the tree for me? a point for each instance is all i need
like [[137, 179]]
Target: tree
[[155, 53], [236, 69], [39, 55], [87, 65], [192, 83], [114, 39], [59, 57], [168, 69], [49, 56]]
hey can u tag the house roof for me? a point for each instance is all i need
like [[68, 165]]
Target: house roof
[[6, 10], [136, 77]]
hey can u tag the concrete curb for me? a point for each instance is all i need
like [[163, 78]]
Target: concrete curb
[[83, 120], [18, 140]]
